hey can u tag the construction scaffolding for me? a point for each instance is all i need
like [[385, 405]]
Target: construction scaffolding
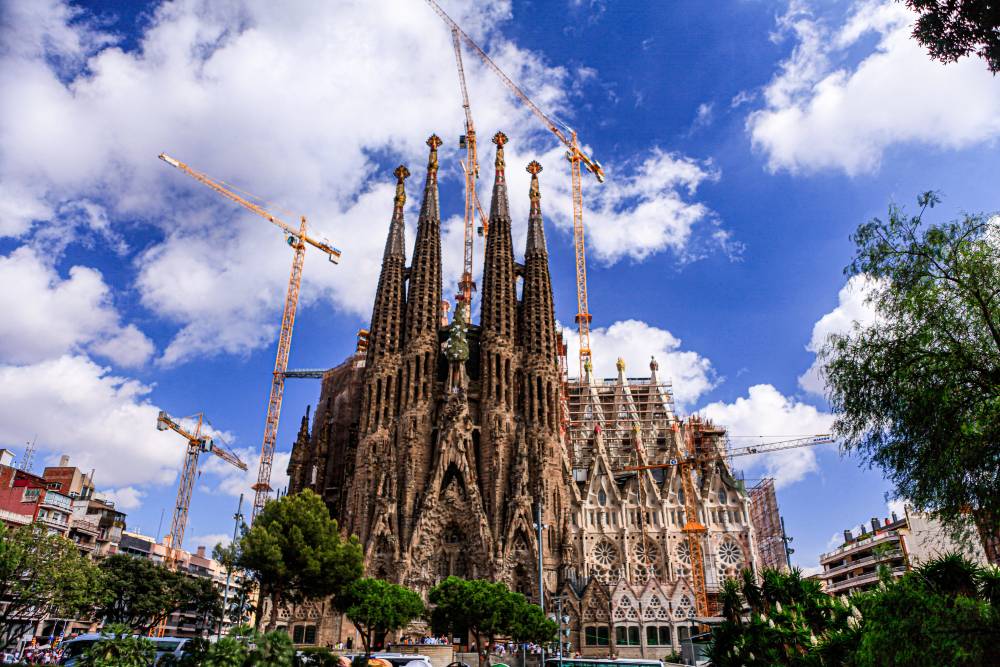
[[767, 525], [634, 414]]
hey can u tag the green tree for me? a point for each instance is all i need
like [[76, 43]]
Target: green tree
[[526, 622], [41, 575], [139, 594], [471, 605], [917, 393], [953, 29], [934, 615], [119, 648], [775, 622], [376, 607], [295, 552]]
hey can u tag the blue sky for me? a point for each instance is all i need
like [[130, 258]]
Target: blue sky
[[743, 142]]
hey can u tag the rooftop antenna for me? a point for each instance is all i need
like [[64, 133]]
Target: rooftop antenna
[[29, 455]]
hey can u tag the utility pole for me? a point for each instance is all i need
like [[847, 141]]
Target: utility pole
[[541, 573], [237, 520], [785, 540]]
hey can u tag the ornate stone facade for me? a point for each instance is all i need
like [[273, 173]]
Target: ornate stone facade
[[440, 444]]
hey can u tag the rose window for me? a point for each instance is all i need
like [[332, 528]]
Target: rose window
[[730, 554], [645, 554], [684, 553], [604, 554]]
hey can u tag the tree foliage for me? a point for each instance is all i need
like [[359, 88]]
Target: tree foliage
[[242, 647], [939, 610], [941, 613], [487, 609], [953, 29], [295, 552], [774, 622], [375, 607], [118, 647], [139, 594], [41, 575], [917, 393]]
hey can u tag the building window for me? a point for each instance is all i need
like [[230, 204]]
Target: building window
[[304, 634], [722, 496], [658, 635], [627, 635], [30, 494], [595, 635], [602, 498]]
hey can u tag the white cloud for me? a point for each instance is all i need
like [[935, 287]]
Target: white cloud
[[125, 498], [360, 83], [690, 373], [766, 412], [824, 111], [101, 420], [46, 315], [852, 309]]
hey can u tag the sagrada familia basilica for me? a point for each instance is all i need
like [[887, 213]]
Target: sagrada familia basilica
[[443, 446]]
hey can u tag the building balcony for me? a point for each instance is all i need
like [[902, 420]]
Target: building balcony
[[49, 522], [860, 562], [852, 583], [85, 526], [859, 545]]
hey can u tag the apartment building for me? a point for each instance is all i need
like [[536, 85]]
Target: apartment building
[[896, 544]]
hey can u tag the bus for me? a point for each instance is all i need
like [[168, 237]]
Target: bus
[[602, 662]]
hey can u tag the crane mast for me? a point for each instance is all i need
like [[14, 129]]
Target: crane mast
[[197, 443], [471, 168], [297, 239], [577, 159]]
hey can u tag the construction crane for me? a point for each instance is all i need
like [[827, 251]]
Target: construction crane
[[297, 239], [576, 157], [693, 528], [471, 168], [197, 443]]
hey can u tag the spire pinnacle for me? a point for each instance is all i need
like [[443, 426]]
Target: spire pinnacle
[[432, 160], [395, 243], [499, 139], [401, 173], [536, 227]]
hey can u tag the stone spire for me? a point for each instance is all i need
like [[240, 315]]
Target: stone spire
[[539, 325], [498, 312], [424, 296], [386, 329]]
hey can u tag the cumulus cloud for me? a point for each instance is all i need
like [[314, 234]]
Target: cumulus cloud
[[828, 109], [79, 408], [125, 498], [635, 342], [361, 86], [852, 310], [46, 315], [766, 411]]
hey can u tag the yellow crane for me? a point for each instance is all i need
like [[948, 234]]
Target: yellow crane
[[198, 442], [471, 168], [297, 239], [686, 465], [576, 157]]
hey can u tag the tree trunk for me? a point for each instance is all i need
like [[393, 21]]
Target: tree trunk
[[272, 622]]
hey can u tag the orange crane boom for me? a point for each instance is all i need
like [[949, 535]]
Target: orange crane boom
[[576, 157], [297, 239], [471, 168], [197, 443]]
